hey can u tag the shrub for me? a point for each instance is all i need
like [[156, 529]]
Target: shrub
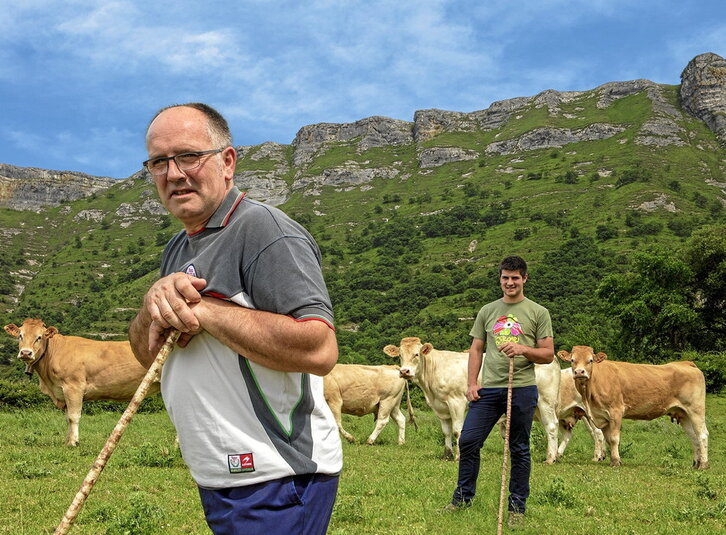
[[713, 366], [20, 394], [606, 232]]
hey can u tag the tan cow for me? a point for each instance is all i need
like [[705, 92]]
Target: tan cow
[[442, 375], [570, 409], [72, 369], [612, 391], [359, 390]]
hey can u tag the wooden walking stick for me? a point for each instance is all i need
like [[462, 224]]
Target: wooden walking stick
[[508, 421], [115, 436]]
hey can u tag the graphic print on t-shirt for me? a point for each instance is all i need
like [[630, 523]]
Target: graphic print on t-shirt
[[506, 329]]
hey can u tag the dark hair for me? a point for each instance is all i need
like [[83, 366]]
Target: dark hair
[[514, 263], [219, 132]]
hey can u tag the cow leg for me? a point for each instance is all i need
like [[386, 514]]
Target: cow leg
[[458, 413], [565, 426], [612, 435], [74, 406], [547, 416], [598, 438], [381, 422], [336, 410], [695, 427], [448, 445], [400, 420]]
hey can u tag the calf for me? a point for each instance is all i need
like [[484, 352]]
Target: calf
[[72, 369], [612, 391], [359, 390]]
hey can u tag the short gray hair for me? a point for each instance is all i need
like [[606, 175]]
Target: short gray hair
[[217, 125]]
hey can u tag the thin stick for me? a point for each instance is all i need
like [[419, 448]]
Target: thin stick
[[500, 518], [115, 436]]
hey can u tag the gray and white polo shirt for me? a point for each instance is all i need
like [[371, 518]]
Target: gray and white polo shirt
[[238, 422]]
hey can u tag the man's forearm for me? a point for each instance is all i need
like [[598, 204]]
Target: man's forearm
[[273, 340], [139, 339], [544, 353]]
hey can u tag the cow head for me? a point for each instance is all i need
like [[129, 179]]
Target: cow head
[[410, 352], [32, 338], [582, 359]]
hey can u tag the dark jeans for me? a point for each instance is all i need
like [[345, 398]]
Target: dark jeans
[[482, 416]]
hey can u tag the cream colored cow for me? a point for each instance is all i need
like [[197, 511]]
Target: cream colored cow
[[359, 390], [72, 369]]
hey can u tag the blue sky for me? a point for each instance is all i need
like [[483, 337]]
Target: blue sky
[[79, 79]]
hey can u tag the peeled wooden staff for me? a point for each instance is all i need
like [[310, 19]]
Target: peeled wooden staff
[[500, 518], [115, 436]]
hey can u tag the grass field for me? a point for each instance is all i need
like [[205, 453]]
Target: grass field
[[384, 489]]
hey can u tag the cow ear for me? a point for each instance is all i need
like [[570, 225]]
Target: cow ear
[[565, 356], [426, 348], [12, 330], [391, 350], [50, 332], [599, 357]]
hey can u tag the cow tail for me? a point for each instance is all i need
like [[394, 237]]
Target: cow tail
[[411, 415]]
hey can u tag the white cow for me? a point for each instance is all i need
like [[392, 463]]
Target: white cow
[[359, 390], [442, 375]]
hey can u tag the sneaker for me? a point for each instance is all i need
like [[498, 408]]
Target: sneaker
[[456, 506], [515, 520]]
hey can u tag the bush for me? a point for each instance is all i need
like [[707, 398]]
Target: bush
[[713, 366], [21, 394]]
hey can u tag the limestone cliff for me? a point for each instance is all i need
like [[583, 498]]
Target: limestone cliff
[[272, 172], [28, 188], [703, 91]]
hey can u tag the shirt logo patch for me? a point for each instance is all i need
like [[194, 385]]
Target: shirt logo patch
[[241, 462], [507, 329], [191, 271]]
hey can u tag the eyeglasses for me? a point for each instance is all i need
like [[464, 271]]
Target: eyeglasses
[[185, 161]]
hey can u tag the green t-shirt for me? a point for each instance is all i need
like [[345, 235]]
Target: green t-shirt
[[498, 322]]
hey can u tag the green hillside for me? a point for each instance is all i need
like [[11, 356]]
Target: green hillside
[[414, 252]]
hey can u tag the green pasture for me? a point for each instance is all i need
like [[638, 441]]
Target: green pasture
[[384, 489]]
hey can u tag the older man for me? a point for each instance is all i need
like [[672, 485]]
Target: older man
[[243, 284]]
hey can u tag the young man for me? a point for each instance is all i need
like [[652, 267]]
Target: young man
[[512, 327], [243, 284]]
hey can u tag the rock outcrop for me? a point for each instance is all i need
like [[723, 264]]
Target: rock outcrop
[[370, 132], [545, 138], [267, 184], [436, 156], [28, 188], [703, 91]]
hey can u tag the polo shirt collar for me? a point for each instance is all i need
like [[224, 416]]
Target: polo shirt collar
[[221, 216]]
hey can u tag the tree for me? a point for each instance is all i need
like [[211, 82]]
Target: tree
[[705, 252], [653, 305]]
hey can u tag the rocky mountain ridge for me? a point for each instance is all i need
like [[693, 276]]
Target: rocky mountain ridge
[[273, 172]]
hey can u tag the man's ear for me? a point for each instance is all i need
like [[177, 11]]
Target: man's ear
[[229, 162]]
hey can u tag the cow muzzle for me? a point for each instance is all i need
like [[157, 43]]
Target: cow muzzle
[[405, 373], [26, 355], [580, 375]]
